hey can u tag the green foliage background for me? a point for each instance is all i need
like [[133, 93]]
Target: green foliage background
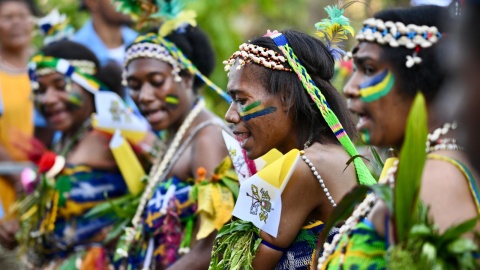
[[232, 22]]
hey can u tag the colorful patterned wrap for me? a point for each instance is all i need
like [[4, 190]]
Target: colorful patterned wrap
[[83, 188], [300, 254], [365, 250], [169, 217]]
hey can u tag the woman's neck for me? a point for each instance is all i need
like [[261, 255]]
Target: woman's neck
[[176, 126], [15, 58], [111, 35]]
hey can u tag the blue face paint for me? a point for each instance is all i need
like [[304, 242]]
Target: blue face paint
[[377, 87], [256, 109]]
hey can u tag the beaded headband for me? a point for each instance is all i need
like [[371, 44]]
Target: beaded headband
[[82, 74], [281, 41], [153, 46], [257, 54], [395, 34]]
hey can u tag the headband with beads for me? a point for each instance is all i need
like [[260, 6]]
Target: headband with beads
[[316, 95], [259, 55], [157, 47], [79, 71], [395, 34]]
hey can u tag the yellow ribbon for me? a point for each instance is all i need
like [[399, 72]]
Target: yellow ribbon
[[186, 16]]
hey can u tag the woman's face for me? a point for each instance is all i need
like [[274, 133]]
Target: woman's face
[[16, 24], [65, 104], [163, 101], [374, 95], [261, 120]]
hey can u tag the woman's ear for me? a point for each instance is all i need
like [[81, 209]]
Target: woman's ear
[[187, 81], [285, 102]]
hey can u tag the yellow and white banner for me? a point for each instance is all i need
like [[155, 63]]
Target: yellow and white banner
[[259, 200], [113, 114], [236, 154], [127, 162]]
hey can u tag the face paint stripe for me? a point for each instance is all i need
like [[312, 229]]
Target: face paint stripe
[[262, 112], [372, 91], [379, 94], [365, 136], [171, 99], [373, 88], [252, 106], [74, 101], [375, 80]]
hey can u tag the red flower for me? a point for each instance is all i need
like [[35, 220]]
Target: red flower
[[46, 161]]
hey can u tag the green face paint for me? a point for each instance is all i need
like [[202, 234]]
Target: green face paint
[[255, 110], [377, 87], [365, 135], [172, 101], [74, 100]]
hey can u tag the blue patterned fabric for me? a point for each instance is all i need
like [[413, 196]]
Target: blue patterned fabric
[[299, 255]]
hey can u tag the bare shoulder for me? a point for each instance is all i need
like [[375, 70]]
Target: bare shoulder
[[94, 151], [445, 189], [442, 174], [208, 147]]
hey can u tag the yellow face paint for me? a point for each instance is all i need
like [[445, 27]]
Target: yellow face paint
[[256, 109], [365, 135], [377, 87]]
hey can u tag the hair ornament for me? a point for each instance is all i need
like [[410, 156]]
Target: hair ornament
[[364, 176], [171, 12], [151, 50], [55, 27], [258, 55], [154, 46], [79, 71], [334, 30], [396, 34]]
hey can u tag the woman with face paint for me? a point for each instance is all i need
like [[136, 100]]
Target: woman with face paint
[[285, 106], [397, 56], [163, 76], [80, 173]]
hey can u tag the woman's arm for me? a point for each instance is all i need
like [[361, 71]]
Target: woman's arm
[[299, 199], [208, 151]]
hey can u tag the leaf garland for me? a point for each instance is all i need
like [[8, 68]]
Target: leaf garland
[[235, 246]]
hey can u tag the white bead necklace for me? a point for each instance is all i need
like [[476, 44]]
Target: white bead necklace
[[433, 138], [357, 216], [319, 178]]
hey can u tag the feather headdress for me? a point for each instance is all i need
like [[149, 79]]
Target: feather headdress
[[334, 30], [171, 12]]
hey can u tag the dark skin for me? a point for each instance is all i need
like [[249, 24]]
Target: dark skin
[[303, 200], [150, 81], [91, 151], [107, 22], [385, 119]]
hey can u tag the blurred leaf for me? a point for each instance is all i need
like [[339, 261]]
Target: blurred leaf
[[410, 169]]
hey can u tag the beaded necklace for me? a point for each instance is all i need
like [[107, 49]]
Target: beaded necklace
[[64, 146], [162, 163], [436, 144], [364, 208], [359, 214], [317, 176]]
